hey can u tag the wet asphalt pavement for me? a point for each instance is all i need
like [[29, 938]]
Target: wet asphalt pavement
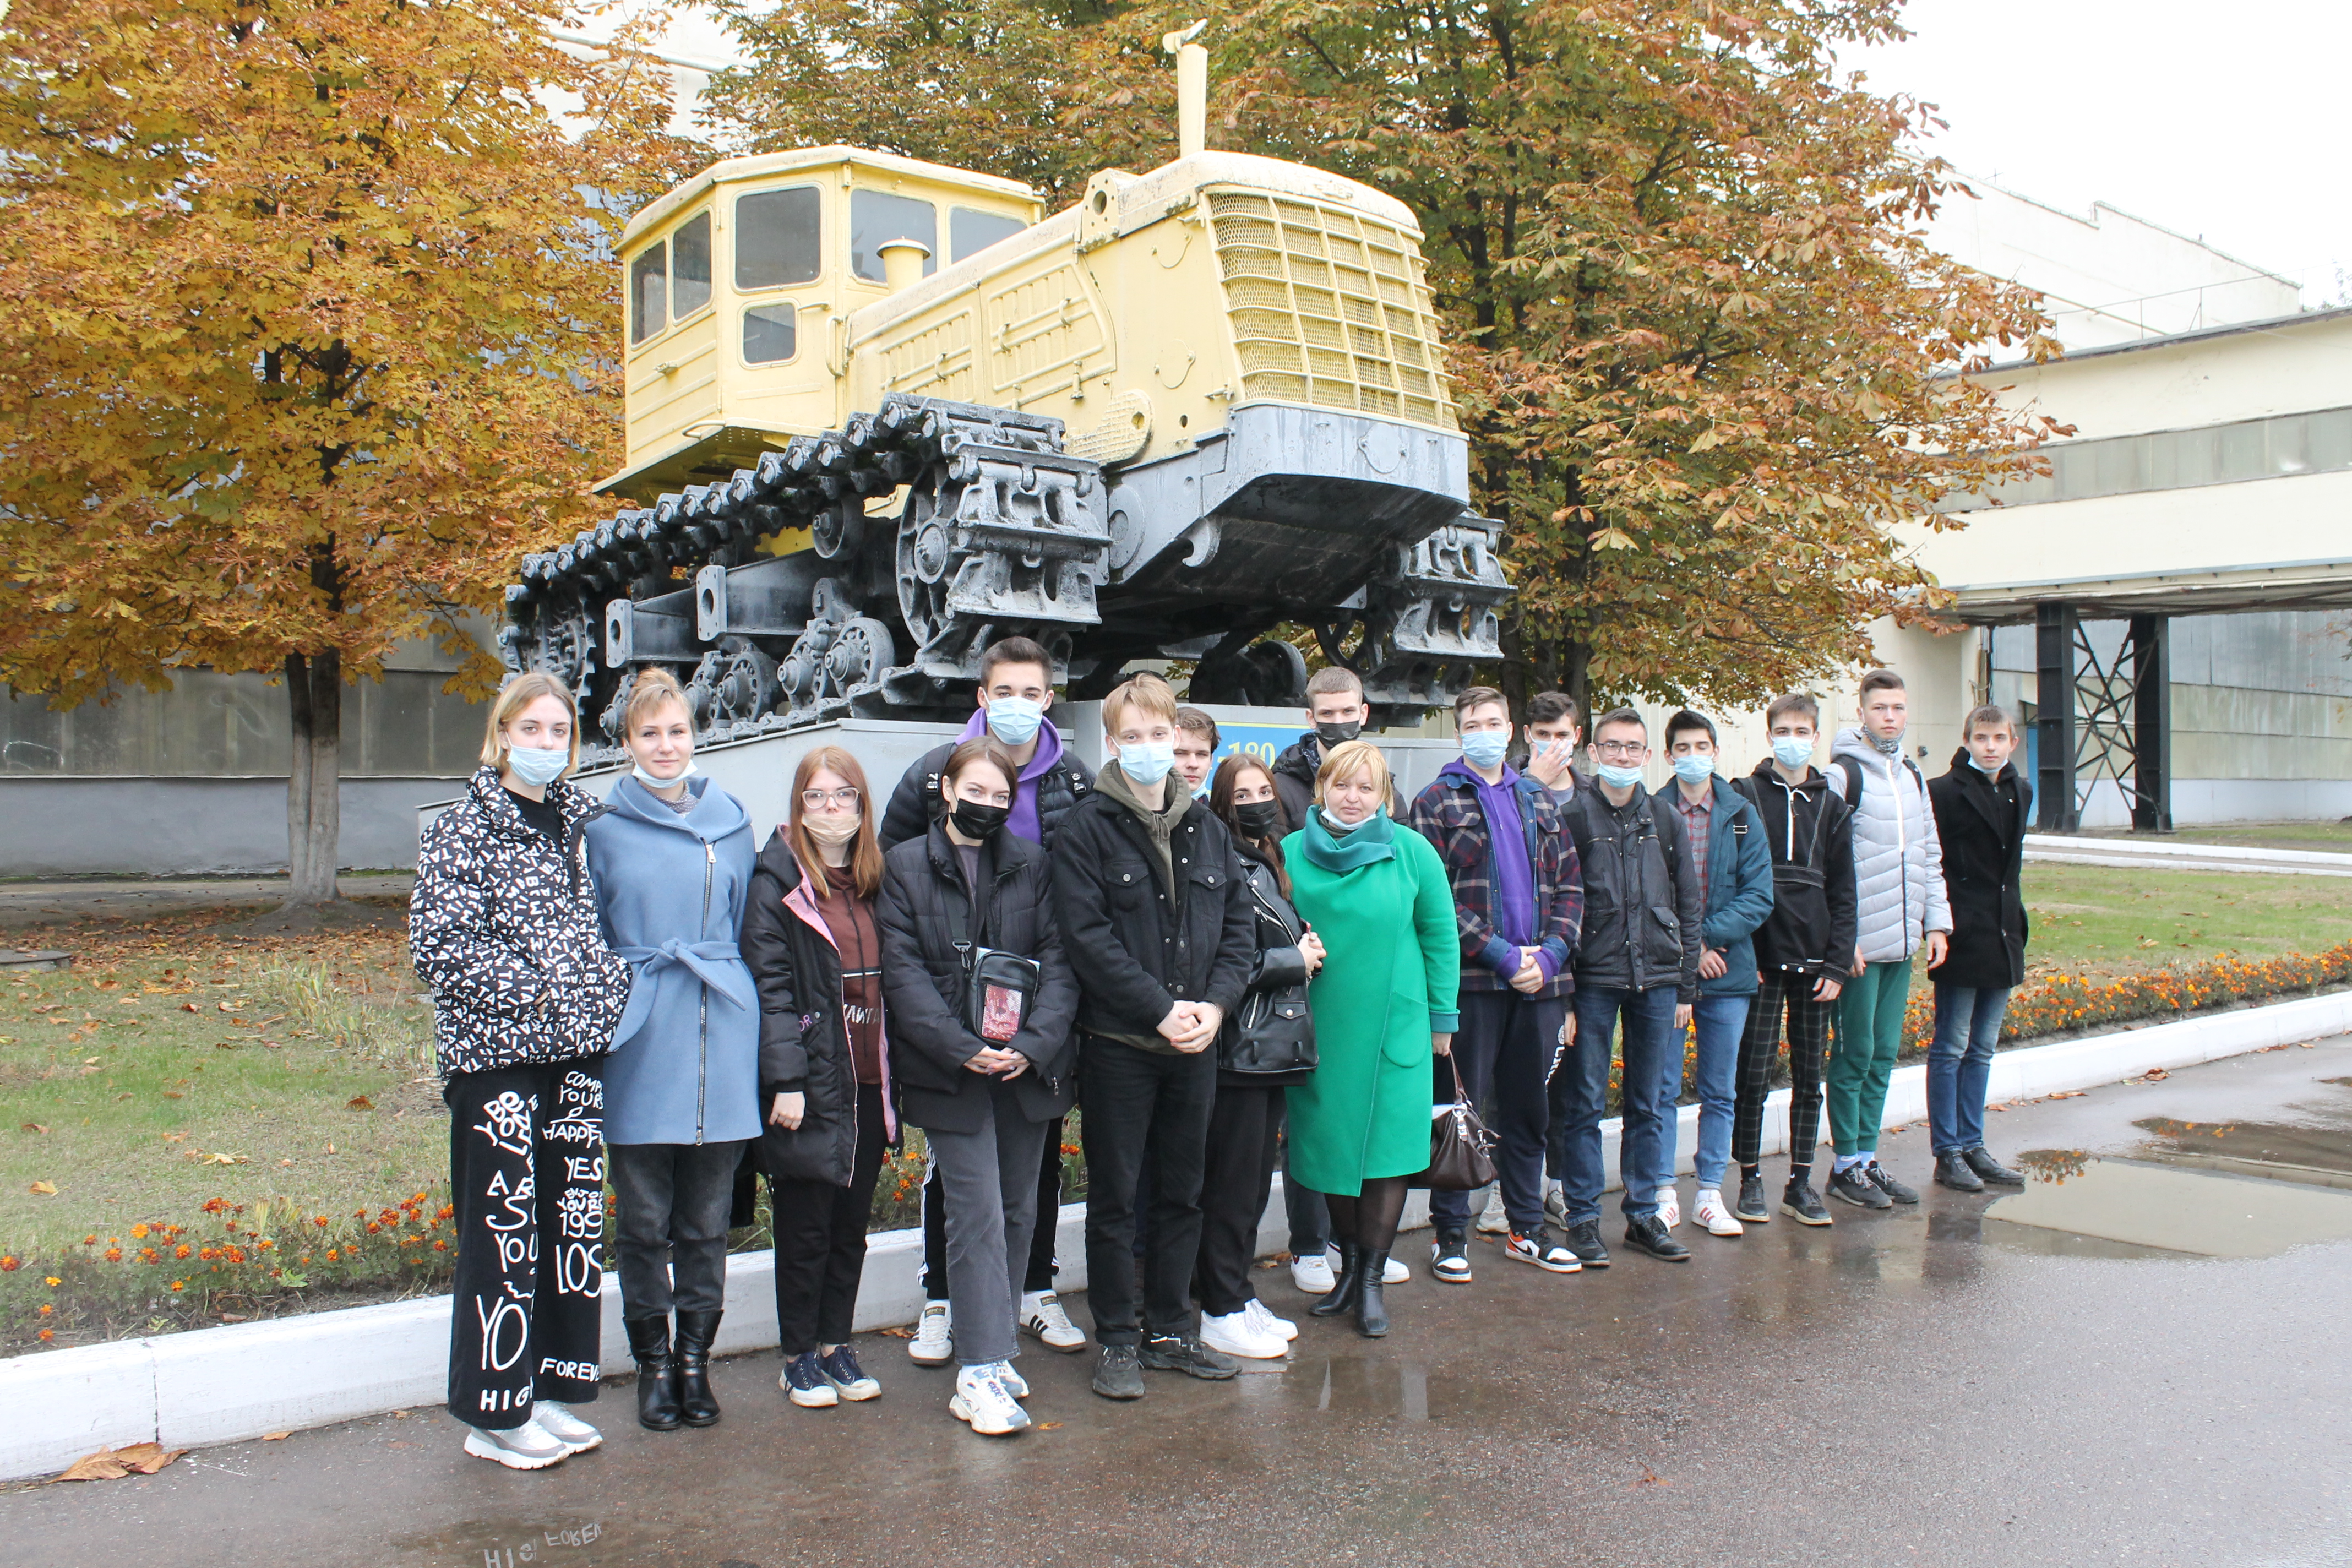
[[1924, 1387]]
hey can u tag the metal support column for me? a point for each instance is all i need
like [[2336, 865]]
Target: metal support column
[[2151, 645], [2053, 785]]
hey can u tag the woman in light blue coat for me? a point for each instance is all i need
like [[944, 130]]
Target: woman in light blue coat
[[671, 856]]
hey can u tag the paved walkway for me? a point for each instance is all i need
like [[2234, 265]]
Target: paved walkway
[[1925, 1386]]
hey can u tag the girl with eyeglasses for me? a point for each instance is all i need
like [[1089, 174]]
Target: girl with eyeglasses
[[815, 950]]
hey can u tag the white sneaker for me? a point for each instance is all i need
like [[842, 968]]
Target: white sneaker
[[1042, 1315], [1670, 1208], [1395, 1273], [1556, 1201], [1263, 1317], [1710, 1210], [558, 1422], [1014, 1384], [1235, 1334], [934, 1340], [984, 1403], [1493, 1220], [1313, 1274], [529, 1446]]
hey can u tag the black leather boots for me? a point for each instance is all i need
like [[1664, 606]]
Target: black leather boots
[[657, 1404], [697, 1404], [1344, 1294], [1371, 1302]]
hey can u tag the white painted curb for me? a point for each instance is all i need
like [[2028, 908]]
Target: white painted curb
[[2067, 850], [231, 1383]]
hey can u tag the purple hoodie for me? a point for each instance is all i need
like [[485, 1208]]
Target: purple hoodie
[[1024, 820], [1507, 848]]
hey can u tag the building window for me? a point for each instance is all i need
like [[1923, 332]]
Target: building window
[[2318, 442], [778, 238], [877, 217]]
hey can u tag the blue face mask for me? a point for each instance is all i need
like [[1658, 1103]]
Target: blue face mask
[[650, 782], [1990, 773], [1014, 720], [1618, 776], [538, 766], [1693, 769], [1792, 753], [1484, 749], [1147, 763]]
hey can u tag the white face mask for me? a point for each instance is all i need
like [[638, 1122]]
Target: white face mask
[[538, 765], [646, 779]]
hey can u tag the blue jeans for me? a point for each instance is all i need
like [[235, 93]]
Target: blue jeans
[[1575, 1138], [1959, 1064], [1719, 1020]]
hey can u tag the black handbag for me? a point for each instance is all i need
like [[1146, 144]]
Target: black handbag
[[1273, 1032], [1461, 1149]]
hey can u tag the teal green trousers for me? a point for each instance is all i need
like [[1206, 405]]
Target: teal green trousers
[[1862, 1054]]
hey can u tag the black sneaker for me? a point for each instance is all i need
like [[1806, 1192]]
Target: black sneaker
[[1584, 1240], [1952, 1170], [1118, 1373], [1181, 1353], [1991, 1169], [1649, 1234], [1802, 1204], [1889, 1185], [1751, 1208], [1449, 1260], [1852, 1184]]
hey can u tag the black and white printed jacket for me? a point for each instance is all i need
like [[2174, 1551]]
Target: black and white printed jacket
[[502, 926]]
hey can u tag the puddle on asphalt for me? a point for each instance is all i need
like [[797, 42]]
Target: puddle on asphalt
[[2150, 1206], [2319, 1156]]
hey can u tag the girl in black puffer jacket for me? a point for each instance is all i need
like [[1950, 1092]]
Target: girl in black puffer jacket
[[502, 926], [984, 1103], [1266, 1044], [814, 946]]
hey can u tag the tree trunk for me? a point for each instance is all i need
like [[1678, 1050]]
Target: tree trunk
[[1576, 680], [314, 699]]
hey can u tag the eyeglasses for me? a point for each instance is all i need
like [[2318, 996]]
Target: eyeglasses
[[1620, 748], [845, 797]]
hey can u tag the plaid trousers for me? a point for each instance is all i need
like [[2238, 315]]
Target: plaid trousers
[[1759, 1046]]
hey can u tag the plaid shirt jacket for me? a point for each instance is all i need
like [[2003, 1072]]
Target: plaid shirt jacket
[[1448, 815]]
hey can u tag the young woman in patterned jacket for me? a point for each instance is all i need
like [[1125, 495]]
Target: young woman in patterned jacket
[[502, 925]]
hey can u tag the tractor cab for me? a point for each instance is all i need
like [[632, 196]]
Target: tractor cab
[[739, 283]]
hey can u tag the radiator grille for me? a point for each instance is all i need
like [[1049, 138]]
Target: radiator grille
[[1329, 308]]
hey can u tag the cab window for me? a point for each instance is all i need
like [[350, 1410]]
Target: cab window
[[689, 266], [971, 231], [649, 292], [877, 217], [770, 332], [778, 238]]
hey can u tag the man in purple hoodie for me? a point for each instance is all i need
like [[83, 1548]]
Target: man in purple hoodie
[[1518, 899], [1016, 687]]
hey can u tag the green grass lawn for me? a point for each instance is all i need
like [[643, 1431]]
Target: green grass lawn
[[2329, 837], [171, 1066], [2113, 919]]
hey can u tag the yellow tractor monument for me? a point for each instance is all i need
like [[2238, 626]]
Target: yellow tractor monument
[[882, 412]]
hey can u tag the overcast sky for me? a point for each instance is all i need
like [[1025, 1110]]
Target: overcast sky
[[2213, 119]]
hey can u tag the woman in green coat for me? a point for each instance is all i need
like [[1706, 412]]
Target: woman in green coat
[[1383, 1002]]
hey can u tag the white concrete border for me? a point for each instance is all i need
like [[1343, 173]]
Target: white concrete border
[[231, 1383], [2145, 853]]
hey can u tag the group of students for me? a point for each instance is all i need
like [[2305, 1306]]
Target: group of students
[[1225, 966]]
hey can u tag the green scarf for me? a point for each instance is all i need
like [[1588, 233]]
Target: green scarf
[[1372, 840]]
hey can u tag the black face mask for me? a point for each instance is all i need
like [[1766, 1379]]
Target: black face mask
[[1338, 734], [1259, 818], [974, 820]]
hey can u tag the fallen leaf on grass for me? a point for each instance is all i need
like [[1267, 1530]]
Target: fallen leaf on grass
[[91, 1061], [359, 1102], [126, 1094], [173, 1094], [33, 1127], [113, 1464], [46, 1189], [187, 1007], [223, 1160]]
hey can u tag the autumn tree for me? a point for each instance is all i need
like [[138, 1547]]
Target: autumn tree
[[1703, 355], [308, 312]]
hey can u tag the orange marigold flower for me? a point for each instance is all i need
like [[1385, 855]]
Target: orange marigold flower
[[48, 1334], [114, 1254], [53, 1281], [10, 1265], [179, 1284], [149, 1255], [331, 1255], [442, 1246], [373, 1228], [320, 1222], [138, 1230], [181, 1251], [47, 1308]]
